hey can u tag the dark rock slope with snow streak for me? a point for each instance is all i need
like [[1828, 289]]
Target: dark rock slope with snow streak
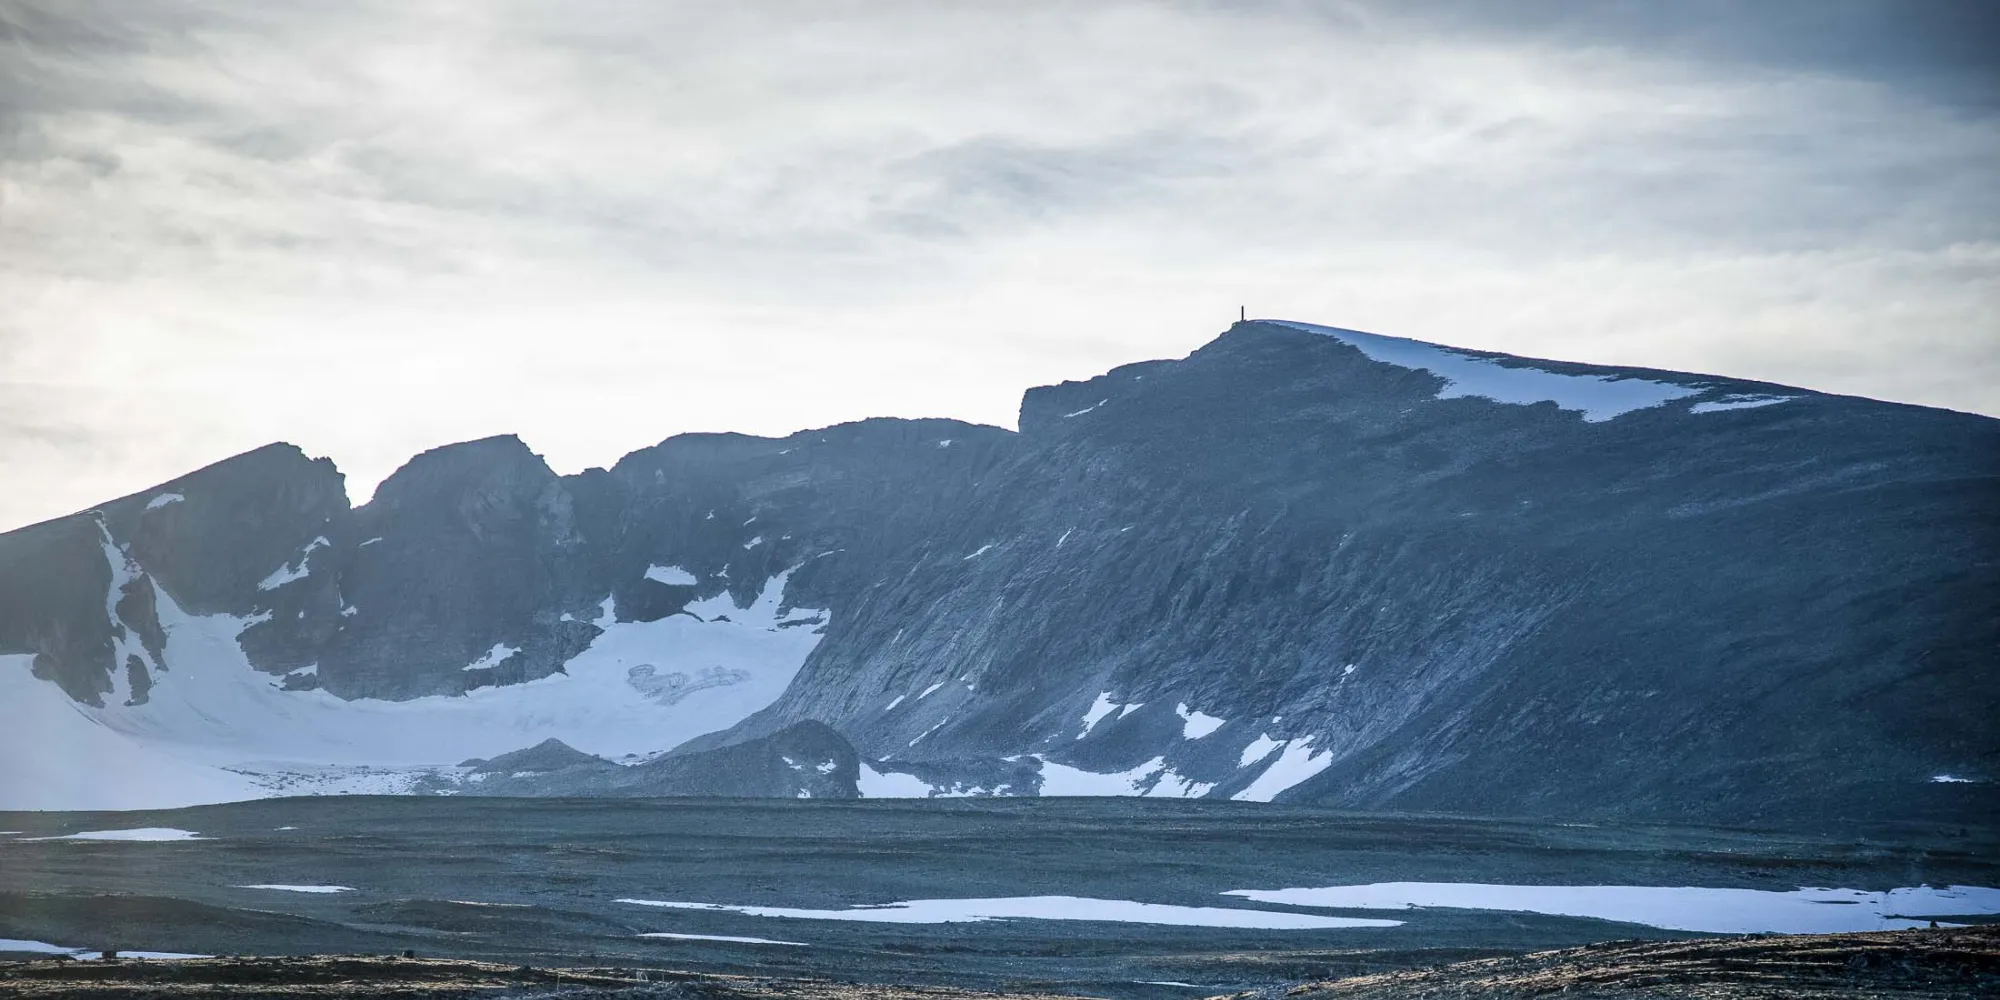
[[1301, 564]]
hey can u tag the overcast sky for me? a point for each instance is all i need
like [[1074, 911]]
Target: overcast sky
[[370, 228]]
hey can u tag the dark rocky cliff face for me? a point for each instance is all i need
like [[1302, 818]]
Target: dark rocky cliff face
[[1277, 568]]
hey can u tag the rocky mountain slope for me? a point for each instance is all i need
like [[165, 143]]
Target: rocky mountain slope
[[1302, 564]]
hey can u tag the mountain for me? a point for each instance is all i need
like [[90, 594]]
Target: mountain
[[1302, 564]]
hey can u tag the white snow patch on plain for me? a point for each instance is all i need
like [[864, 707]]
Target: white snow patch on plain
[[84, 954], [1100, 708], [946, 443], [982, 550], [1737, 403], [1714, 911], [1298, 762], [1597, 397], [672, 575], [1258, 749], [287, 573], [318, 889], [1950, 779], [1086, 409], [164, 499], [950, 911], [720, 937], [144, 834], [875, 784], [493, 657], [1194, 724]]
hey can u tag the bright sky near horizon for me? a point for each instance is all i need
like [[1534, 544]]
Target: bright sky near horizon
[[375, 227]]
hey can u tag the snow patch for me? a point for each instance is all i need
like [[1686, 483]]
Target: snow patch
[[1258, 749], [1738, 402], [1951, 779], [1713, 911], [928, 690], [1151, 779], [874, 784], [949, 911], [144, 834], [892, 705], [1195, 725], [164, 499], [493, 657], [671, 575], [316, 889], [83, 954], [720, 937], [1100, 708], [1597, 397], [1086, 409], [1298, 762], [982, 550], [288, 573]]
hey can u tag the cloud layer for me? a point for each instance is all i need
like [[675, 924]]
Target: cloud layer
[[371, 228]]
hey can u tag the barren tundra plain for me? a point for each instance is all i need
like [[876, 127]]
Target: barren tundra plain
[[1084, 897]]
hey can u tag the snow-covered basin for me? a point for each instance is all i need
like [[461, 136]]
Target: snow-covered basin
[[1683, 908], [211, 711], [947, 911]]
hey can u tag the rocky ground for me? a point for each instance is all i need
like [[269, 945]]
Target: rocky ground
[[1960, 962], [359, 976]]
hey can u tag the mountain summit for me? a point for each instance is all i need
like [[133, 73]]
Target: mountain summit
[[1303, 564]]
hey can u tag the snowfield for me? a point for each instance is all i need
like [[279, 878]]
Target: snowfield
[[215, 729]]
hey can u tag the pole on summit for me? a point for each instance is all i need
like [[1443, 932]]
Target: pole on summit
[[1242, 314]]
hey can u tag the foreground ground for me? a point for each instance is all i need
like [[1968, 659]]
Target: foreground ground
[[1907, 964], [1915, 965], [550, 883]]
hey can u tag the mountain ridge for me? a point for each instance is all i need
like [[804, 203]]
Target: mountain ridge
[[1397, 571]]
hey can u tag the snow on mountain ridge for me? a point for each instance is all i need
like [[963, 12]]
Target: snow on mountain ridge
[[1597, 397]]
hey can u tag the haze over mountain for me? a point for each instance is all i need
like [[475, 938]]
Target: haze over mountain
[[1302, 564]]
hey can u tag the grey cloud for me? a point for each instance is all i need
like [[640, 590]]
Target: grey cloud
[[1942, 48]]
